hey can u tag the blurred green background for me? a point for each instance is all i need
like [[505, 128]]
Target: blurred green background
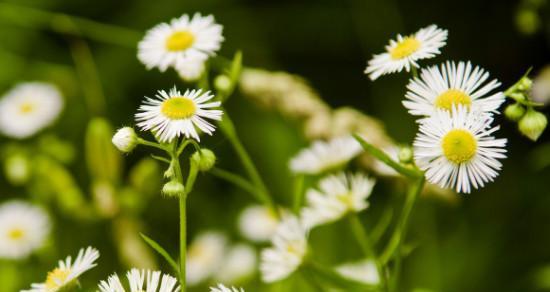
[[496, 239]]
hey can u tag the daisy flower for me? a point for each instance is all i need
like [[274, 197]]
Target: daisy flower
[[172, 114], [363, 271], [184, 39], [23, 229], [337, 195], [205, 256], [191, 71], [138, 281], [286, 254], [239, 263], [456, 149], [406, 51], [222, 288], [322, 156], [29, 108], [67, 272], [450, 85], [258, 223]]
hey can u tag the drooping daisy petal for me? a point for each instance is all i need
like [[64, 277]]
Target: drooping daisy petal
[[222, 288], [67, 272], [23, 229], [456, 149], [363, 271], [404, 52], [141, 280], [28, 108], [322, 156], [450, 85], [288, 250], [205, 256], [172, 114], [182, 40], [258, 223], [337, 195]]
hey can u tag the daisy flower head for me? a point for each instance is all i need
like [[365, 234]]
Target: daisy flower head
[[405, 51], [287, 252], [205, 256], [141, 280], [222, 288], [452, 84], [191, 71], [23, 229], [337, 195], [456, 149], [67, 272], [172, 114], [28, 108], [258, 223], [184, 39], [239, 264], [322, 155]]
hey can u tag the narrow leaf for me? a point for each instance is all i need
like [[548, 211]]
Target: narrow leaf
[[153, 244]]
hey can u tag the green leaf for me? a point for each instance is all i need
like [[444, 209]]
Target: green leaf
[[153, 244]]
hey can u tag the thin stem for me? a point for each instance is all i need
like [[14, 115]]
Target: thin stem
[[152, 144], [298, 193], [236, 180], [366, 246], [183, 222]]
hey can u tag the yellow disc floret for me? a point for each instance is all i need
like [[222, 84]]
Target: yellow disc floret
[[56, 278], [26, 108], [452, 97], [405, 48], [16, 234], [180, 41], [178, 108], [459, 146]]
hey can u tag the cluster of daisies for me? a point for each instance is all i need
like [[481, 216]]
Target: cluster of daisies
[[455, 103]]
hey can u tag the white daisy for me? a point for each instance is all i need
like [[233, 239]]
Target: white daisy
[[182, 40], [322, 156], [141, 280], [67, 272], [23, 229], [222, 288], [456, 149], [452, 85], [363, 271], [286, 254], [406, 51], [239, 264], [29, 108], [258, 223], [172, 114], [337, 195], [205, 256]]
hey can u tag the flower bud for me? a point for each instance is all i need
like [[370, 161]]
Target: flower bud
[[405, 155], [204, 159], [532, 124], [173, 188], [222, 83], [525, 83], [17, 169], [125, 139], [514, 112]]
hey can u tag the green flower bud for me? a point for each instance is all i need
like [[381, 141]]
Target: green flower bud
[[17, 169], [532, 124], [125, 139], [525, 83], [405, 155], [204, 159], [514, 112], [173, 188], [222, 83]]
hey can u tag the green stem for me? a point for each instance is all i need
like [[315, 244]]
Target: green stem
[[183, 222], [366, 246], [298, 193], [236, 180], [154, 145], [414, 72]]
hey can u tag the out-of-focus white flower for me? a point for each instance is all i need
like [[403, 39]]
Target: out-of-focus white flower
[[363, 271], [540, 90], [181, 41], [404, 52], [239, 263], [337, 195], [205, 256], [191, 70], [23, 229], [67, 272], [322, 156], [172, 114], [258, 223], [286, 254], [456, 149], [140, 281], [222, 288], [28, 108], [452, 84]]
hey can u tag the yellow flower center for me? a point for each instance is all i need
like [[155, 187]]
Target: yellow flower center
[[16, 234], [56, 278], [346, 199], [405, 48], [178, 108], [26, 108], [180, 41], [459, 146], [452, 97]]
